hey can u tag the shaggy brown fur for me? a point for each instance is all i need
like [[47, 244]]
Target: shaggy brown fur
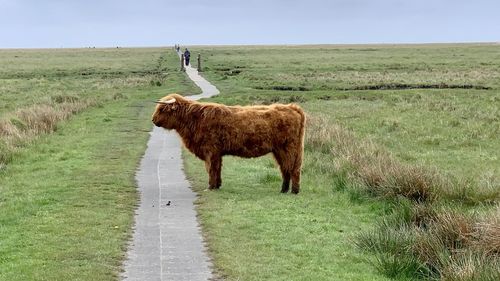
[[211, 130]]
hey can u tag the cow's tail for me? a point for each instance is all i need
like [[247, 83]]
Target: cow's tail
[[299, 150], [299, 110]]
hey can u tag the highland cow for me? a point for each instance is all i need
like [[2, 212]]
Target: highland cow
[[211, 130]]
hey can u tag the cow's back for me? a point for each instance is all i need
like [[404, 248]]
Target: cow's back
[[256, 130]]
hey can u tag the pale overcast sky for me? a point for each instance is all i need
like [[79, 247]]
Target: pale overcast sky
[[101, 23]]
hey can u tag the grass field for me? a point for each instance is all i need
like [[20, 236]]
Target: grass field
[[397, 136], [419, 125], [67, 188], [400, 177]]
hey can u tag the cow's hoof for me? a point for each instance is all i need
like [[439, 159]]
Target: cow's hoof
[[295, 191]]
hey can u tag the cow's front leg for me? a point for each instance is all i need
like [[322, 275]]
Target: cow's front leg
[[214, 165]]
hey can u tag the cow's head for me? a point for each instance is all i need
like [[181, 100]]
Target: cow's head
[[165, 114]]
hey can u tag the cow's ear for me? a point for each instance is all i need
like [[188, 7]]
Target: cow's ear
[[174, 106]]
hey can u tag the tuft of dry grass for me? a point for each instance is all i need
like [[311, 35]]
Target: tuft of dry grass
[[7, 129], [472, 191], [446, 234], [391, 178], [461, 247], [385, 176], [44, 118], [471, 267], [487, 233], [419, 240], [371, 165], [26, 123]]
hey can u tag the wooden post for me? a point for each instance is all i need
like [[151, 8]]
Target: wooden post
[[182, 63], [199, 63]]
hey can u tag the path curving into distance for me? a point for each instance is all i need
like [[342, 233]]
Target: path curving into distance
[[167, 242]]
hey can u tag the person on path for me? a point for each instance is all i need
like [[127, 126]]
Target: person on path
[[187, 56]]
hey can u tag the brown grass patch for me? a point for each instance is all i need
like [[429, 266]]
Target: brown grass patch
[[461, 247], [487, 233], [446, 234], [25, 124], [8, 129], [385, 176], [371, 165], [472, 191], [471, 267], [420, 240], [44, 118], [436, 243]]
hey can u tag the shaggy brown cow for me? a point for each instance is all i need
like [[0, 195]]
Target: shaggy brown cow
[[211, 130]]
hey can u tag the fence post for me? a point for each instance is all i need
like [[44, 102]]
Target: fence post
[[182, 63], [199, 63]]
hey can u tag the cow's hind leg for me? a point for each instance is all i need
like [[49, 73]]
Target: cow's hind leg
[[285, 171], [214, 165], [285, 186], [297, 166]]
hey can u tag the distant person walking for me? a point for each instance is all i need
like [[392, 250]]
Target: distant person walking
[[187, 56]]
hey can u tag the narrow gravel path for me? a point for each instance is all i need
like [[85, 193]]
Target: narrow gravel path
[[167, 243]]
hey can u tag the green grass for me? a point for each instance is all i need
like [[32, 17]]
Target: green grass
[[256, 233], [67, 184], [68, 198], [42, 76], [454, 129], [438, 131], [41, 87]]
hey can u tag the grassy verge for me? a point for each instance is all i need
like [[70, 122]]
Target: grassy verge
[[67, 198], [436, 243], [394, 131], [431, 232], [40, 88], [256, 233]]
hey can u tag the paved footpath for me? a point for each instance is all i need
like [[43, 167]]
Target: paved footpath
[[167, 242]]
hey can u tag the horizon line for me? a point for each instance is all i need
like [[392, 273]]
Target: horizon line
[[262, 45]]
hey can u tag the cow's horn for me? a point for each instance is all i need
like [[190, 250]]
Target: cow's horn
[[172, 100]]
